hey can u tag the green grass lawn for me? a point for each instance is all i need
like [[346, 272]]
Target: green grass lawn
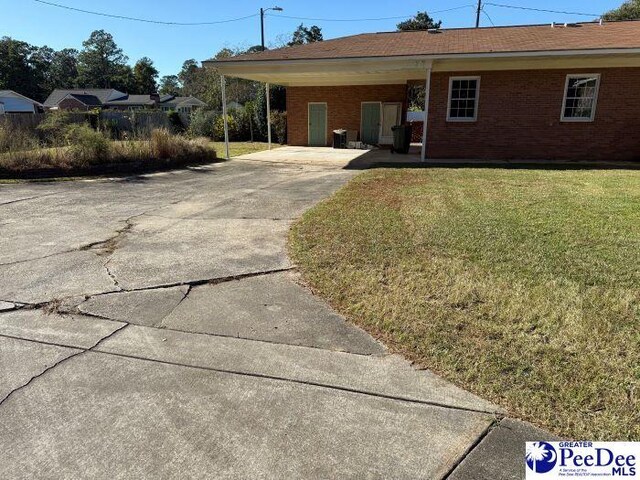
[[242, 148], [522, 286]]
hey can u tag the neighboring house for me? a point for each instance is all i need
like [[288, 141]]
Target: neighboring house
[[81, 98], [110, 99], [520, 92], [180, 104], [13, 102]]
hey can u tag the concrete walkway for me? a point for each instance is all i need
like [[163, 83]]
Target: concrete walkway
[[154, 327]]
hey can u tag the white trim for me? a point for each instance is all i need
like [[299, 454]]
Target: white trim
[[223, 84], [326, 121], [268, 93], [379, 120], [427, 57], [477, 100], [427, 96], [564, 119]]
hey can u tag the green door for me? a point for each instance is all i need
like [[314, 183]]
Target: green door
[[370, 123], [317, 124]]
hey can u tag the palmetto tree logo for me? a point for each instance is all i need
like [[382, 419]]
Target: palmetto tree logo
[[541, 457]]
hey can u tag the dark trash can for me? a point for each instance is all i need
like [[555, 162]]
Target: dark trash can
[[401, 138], [340, 138]]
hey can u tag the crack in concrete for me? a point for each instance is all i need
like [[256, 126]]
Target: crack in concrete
[[80, 352], [20, 305], [95, 349], [329, 386], [184, 297], [9, 202], [496, 421], [197, 283]]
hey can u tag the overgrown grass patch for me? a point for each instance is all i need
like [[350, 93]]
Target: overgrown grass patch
[[522, 286], [87, 151]]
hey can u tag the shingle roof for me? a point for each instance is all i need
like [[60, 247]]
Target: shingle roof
[[133, 100], [175, 101], [514, 39], [102, 94], [88, 100], [11, 93]]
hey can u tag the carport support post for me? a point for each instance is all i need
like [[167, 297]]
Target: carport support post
[[223, 83], [268, 116], [427, 91]]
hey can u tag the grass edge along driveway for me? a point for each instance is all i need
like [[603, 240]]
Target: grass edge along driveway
[[520, 285]]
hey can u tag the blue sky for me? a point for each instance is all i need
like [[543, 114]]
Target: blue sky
[[169, 46]]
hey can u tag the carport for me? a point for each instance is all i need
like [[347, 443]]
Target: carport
[[530, 92], [375, 75]]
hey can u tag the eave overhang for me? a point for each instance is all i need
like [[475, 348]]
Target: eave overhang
[[401, 69]]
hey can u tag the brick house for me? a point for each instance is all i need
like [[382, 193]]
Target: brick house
[[559, 91], [111, 99]]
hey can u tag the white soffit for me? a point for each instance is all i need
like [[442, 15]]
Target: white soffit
[[376, 71]]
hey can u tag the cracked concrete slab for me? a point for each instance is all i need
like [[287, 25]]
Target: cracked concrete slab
[[500, 455], [183, 422], [106, 415], [387, 375], [272, 308], [21, 360], [4, 306], [145, 307], [68, 330], [160, 252], [65, 275]]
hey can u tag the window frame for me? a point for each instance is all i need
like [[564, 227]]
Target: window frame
[[475, 107], [590, 119]]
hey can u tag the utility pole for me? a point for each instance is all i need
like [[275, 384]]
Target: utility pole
[[262, 28], [478, 13], [262, 12]]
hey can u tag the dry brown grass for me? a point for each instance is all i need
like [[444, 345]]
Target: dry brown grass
[[87, 149], [521, 286]]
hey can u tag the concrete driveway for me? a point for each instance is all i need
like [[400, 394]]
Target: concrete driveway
[[154, 327]]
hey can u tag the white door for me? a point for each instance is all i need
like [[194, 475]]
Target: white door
[[390, 117]]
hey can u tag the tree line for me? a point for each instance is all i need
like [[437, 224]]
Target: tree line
[[36, 71]]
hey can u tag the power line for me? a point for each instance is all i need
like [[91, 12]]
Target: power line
[[399, 17], [488, 17], [145, 20], [516, 7]]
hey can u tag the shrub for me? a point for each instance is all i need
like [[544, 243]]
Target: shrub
[[202, 122], [54, 126], [218, 128], [175, 120], [279, 126], [110, 127], [87, 146]]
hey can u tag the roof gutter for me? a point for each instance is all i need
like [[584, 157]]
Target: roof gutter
[[425, 58]]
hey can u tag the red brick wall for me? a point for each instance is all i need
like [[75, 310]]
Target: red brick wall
[[519, 118], [72, 104], [343, 106]]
